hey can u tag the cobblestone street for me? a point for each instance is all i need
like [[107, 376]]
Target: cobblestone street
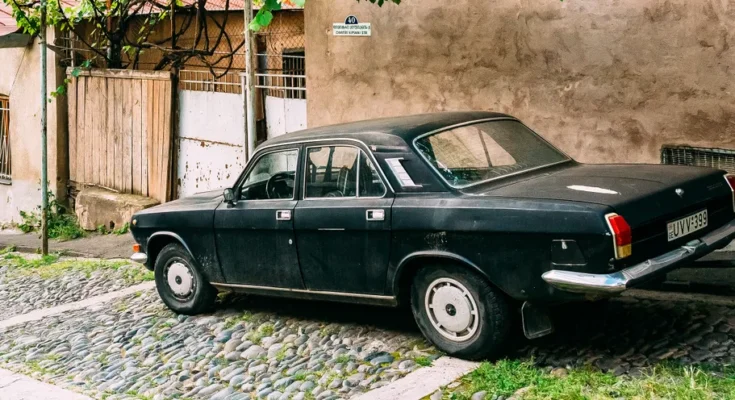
[[634, 333], [133, 347]]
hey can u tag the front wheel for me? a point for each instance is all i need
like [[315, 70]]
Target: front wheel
[[460, 312], [181, 286]]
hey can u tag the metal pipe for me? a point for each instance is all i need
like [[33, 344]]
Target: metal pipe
[[249, 97], [44, 155]]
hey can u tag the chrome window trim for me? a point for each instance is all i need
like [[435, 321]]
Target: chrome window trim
[[334, 139], [360, 152], [478, 121], [247, 172]]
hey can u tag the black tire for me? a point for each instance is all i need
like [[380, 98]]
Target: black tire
[[202, 294], [494, 318]]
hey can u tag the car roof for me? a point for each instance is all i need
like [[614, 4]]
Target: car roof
[[386, 131]]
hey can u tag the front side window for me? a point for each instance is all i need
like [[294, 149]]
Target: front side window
[[272, 177], [340, 171], [4, 139], [484, 151]]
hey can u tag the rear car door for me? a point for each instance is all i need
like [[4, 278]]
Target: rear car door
[[343, 223], [255, 235]]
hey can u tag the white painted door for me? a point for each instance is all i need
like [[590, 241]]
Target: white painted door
[[211, 141]]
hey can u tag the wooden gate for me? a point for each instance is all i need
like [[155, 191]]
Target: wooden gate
[[120, 131]]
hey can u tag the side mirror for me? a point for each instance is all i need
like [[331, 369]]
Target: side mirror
[[229, 195]]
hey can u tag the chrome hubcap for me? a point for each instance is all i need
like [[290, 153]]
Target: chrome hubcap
[[451, 309], [180, 279]]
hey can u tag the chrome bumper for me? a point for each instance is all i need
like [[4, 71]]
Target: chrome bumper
[[141, 258], [616, 282]]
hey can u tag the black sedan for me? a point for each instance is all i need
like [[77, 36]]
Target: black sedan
[[468, 217]]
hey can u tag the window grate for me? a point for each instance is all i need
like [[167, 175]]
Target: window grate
[[699, 157], [4, 139]]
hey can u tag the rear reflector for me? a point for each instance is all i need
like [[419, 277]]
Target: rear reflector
[[731, 181], [622, 235], [136, 248]]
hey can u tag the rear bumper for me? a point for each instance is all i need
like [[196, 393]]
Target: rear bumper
[[616, 282]]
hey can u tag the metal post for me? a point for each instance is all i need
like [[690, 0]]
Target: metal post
[[44, 156], [249, 97]]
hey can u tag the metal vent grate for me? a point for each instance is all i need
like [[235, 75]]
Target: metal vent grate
[[700, 157]]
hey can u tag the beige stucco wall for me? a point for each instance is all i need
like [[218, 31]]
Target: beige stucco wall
[[20, 80], [606, 81]]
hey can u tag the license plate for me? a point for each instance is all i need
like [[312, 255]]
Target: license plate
[[687, 225]]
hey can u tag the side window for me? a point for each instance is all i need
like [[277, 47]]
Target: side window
[[272, 177], [340, 171], [331, 171], [370, 183]]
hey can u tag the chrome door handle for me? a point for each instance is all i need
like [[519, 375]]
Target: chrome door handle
[[283, 215], [375, 215]]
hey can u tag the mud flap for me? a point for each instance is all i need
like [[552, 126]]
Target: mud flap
[[536, 321]]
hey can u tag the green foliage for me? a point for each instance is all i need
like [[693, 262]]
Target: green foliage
[[422, 361], [665, 381], [264, 330], [122, 230], [60, 224], [9, 249]]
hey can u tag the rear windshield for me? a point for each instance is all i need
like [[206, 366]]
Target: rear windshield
[[479, 152]]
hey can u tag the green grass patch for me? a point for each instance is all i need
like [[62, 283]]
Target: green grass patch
[[264, 330], [664, 381], [234, 321], [49, 266], [7, 250], [422, 361]]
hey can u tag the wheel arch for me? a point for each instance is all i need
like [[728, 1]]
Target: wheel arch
[[157, 241], [409, 266]]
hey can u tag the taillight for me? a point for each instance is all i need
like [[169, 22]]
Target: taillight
[[731, 181], [622, 235]]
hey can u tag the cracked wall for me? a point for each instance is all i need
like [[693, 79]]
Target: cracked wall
[[606, 81], [20, 81]]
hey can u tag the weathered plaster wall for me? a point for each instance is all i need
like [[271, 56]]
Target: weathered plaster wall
[[20, 80], [606, 81]]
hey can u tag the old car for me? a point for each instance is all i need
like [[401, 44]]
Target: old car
[[470, 218]]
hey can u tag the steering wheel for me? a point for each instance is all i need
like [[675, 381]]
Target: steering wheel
[[284, 178], [335, 193]]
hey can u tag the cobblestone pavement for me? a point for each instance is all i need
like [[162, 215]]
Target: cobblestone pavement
[[277, 349], [24, 289], [630, 334]]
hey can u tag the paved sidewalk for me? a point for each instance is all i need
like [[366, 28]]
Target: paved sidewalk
[[94, 245], [20, 387]]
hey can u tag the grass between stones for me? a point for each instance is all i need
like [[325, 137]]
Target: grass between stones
[[524, 381], [51, 266]]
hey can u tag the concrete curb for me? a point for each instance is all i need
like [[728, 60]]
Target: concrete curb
[[92, 301], [424, 381], [20, 387]]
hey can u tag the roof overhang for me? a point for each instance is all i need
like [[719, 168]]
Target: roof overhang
[[12, 40]]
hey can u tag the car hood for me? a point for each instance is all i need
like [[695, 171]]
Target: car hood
[[640, 192], [200, 201]]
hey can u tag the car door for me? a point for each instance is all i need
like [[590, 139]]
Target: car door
[[343, 222], [255, 235]]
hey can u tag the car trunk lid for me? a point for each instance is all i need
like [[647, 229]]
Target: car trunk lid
[[647, 196]]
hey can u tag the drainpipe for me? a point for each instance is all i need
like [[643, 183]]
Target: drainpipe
[[44, 157], [249, 98]]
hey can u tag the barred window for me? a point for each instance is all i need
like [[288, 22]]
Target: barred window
[[4, 139], [294, 68]]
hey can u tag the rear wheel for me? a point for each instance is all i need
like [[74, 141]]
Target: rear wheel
[[181, 286], [460, 312]]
